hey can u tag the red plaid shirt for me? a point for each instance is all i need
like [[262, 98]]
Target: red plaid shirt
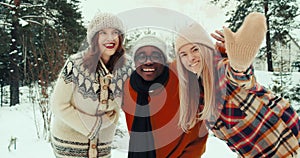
[[253, 121]]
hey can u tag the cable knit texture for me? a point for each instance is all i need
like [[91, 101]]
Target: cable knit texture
[[80, 127], [243, 45]]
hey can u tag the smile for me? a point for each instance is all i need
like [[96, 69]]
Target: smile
[[148, 70], [109, 45], [194, 64]]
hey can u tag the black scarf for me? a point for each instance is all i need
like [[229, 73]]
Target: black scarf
[[141, 143]]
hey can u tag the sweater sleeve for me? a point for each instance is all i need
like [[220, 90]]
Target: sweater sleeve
[[61, 106], [244, 79]]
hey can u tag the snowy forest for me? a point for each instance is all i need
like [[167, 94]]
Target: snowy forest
[[38, 35]]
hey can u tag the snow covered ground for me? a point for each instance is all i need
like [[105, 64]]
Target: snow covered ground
[[20, 122]]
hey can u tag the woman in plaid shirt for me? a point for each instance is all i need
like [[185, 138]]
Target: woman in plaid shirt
[[248, 117]]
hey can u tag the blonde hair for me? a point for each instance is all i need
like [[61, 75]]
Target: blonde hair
[[189, 94]]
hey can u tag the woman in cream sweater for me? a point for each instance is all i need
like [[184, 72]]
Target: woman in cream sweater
[[87, 94]]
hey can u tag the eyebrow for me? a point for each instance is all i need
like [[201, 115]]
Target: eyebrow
[[156, 52], [181, 52], [153, 53], [193, 47], [140, 53]]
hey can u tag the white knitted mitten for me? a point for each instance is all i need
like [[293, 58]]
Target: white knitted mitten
[[242, 46]]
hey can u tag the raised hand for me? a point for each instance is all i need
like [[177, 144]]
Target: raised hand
[[220, 44], [242, 46]]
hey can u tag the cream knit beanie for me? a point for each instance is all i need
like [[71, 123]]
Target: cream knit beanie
[[150, 40], [102, 21], [193, 33]]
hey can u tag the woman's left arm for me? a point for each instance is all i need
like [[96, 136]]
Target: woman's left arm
[[242, 47], [244, 79]]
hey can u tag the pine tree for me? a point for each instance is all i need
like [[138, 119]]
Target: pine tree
[[281, 84], [280, 15], [36, 35], [12, 53], [68, 23], [284, 86], [295, 94], [4, 47], [4, 44]]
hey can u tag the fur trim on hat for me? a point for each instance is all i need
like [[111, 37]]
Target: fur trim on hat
[[102, 21], [150, 40], [193, 33]]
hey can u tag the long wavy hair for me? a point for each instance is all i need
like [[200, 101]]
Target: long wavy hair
[[91, 58], [189, 93]]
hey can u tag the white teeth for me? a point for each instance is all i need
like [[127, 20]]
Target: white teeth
[[191, 65], [148, 70], [109, 45]]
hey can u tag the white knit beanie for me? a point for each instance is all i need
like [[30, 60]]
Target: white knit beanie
[[101, 21], [193, 33], [150, 40]]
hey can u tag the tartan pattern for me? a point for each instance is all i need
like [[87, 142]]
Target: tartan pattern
[[254, 122]]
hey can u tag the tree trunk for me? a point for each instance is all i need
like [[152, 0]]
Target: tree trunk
[[14, 72], [1, 93], [268, 39]]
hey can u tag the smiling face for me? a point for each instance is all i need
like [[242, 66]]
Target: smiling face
[[108, 42], [149, 62], [191, 58]]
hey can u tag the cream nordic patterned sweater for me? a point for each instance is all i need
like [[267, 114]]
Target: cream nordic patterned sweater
[[79, 127]]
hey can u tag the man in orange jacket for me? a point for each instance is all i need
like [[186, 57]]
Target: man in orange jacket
[[151, 106]]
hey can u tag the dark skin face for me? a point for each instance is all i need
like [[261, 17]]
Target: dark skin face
[[149, 62]]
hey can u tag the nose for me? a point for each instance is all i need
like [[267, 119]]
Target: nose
[[110, 37], [191, 57], [148, 60]]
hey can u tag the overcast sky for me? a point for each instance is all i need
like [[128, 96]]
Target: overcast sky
[[209, 16]]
